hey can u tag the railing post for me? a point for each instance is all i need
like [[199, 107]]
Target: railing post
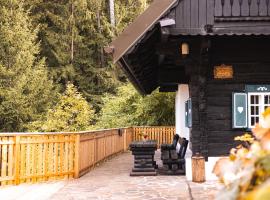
[[77, 156], [17, 160], [133, 134], [125, 139]]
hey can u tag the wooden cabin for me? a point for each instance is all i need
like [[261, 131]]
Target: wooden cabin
[[214, 53]]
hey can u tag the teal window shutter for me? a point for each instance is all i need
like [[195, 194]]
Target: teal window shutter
[[186, 114], [189, 113], [239, 110]]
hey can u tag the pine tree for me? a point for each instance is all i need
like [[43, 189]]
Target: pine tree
[[25, 90]]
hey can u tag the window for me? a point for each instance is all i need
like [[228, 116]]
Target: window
[[248, 105], [257, 103]]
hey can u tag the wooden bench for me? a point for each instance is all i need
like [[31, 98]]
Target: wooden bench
[[173, 162]]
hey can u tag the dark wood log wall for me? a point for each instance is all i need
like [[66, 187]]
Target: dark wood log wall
[[212, 132]]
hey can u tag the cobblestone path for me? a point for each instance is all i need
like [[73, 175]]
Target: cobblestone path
[[111, 181]]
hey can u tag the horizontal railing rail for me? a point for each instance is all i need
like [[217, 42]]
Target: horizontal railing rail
[[37, 157]]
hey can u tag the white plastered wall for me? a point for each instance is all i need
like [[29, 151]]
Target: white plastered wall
[[182, 95]]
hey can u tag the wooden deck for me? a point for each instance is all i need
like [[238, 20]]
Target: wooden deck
[[110, 180]]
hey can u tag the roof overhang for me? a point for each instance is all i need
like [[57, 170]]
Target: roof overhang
[[136, 30]]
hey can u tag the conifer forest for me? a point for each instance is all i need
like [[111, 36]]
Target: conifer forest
[[55, 75]]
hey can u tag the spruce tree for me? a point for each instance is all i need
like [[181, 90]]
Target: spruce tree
[[73, 34], [72, 40], [25, 90]]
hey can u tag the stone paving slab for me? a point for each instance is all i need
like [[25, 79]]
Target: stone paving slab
[[40, 191], [202, 191], [111, 181]]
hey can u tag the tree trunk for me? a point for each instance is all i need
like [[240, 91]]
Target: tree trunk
[[99, 30], [112, 16], [72, 33]]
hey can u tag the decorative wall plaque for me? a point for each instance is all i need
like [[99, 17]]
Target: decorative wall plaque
[[223, 72]]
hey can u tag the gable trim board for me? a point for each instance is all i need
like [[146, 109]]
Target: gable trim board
[[136, 30]]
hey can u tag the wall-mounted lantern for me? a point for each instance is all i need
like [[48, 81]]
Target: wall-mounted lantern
[[184, 49]]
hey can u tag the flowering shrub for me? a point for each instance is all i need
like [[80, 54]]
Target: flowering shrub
[[143, 135], [245, 175]]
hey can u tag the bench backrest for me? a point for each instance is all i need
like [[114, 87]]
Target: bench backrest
[[175, 140], [183, 148]]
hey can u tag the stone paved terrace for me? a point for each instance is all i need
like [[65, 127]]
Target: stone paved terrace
[[110, 180]]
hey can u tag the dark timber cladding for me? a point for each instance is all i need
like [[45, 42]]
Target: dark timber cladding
[[231, 32]]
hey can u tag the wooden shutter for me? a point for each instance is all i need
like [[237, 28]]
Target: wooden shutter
[[239, 110], [188, 113]]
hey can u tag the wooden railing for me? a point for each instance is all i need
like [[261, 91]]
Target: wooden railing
[[163, 135], [36, 157], [97, 146]]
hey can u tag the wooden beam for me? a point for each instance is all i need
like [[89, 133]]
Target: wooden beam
[[172, 76], [168, 88]]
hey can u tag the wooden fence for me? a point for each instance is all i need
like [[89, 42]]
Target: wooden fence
[[163, 135], [36, 157], [97, 146]]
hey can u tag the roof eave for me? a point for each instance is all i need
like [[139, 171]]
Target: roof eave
[[136, 30]]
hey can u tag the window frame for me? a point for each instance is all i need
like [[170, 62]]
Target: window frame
[[261, 105]]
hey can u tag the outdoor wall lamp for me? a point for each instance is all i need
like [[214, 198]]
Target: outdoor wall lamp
[[184, 49]]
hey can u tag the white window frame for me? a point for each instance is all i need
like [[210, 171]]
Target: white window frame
[[261, 105]]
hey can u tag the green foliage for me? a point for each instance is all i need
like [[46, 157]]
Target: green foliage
[[71, 113], [45, 44], [86, 25], [127, 11], [72, 41], [25, 90], [128, 108]]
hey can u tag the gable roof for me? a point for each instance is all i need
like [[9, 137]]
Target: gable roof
[[138, 28]]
